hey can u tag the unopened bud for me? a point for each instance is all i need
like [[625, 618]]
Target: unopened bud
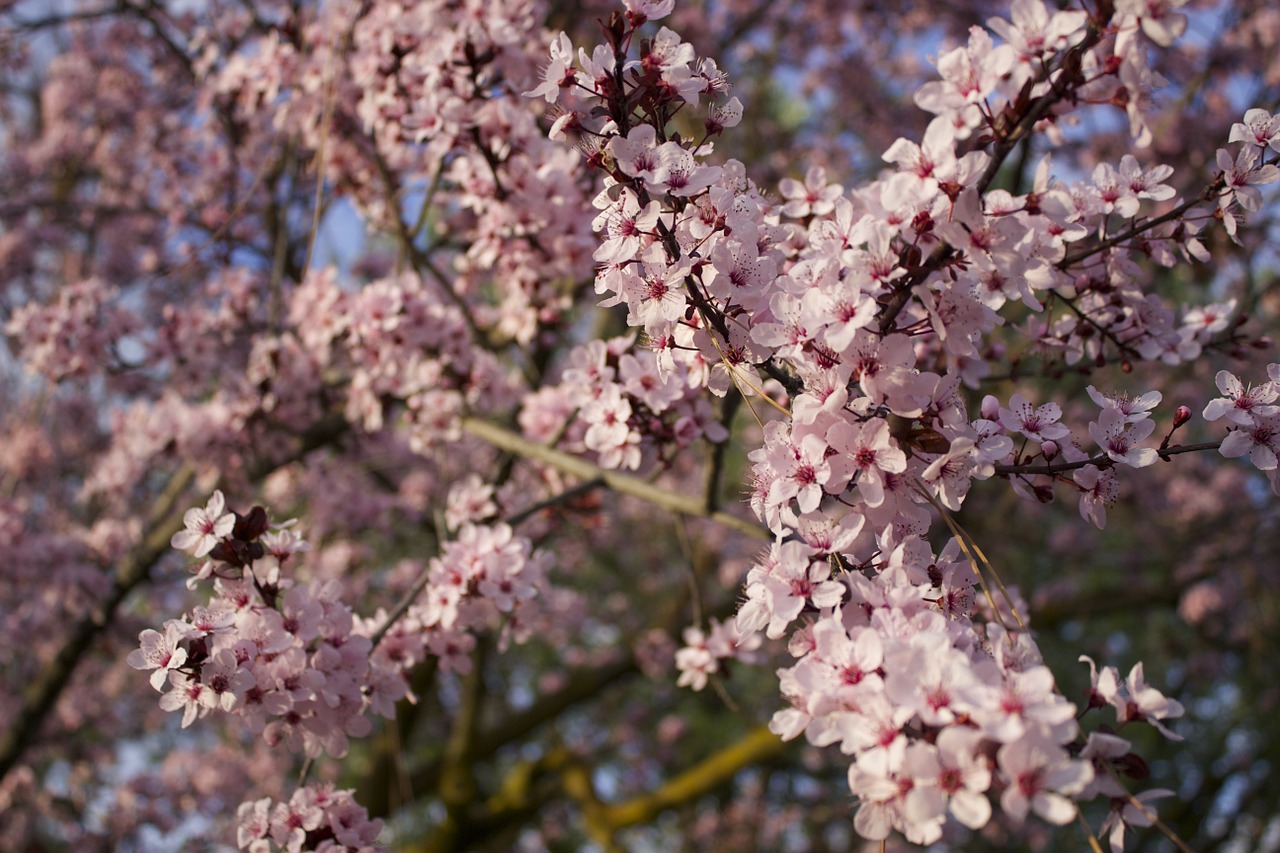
[[1133, 765], [990, 408], [1050, 450], [1181, 416]]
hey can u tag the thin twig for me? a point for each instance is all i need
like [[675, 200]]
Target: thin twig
[[691, 505], [1102, 460]]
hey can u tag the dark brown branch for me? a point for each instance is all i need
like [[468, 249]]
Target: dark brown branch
[[1074, 258], [1102, 460], [39, 697], [133, 570]]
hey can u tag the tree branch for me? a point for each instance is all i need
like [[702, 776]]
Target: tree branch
[[1102, 460], [691, 505], [133, 570], [39, 697], [702, 778]]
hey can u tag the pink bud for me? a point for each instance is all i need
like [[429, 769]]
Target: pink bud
[[1050, 450], [990, 408], [1181, 416]]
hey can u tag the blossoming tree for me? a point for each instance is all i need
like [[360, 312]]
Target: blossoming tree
[[498, 425]]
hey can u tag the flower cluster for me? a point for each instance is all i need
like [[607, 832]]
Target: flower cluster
[[869, 311], [487, 577], [67, 338], [706, 653], [860, 325], [316, 818], [295, 664], [622, 406], [1254, 420], [289, 659]]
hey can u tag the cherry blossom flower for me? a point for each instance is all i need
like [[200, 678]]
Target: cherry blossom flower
[[161, 652], [187, 696], [1140, 701], [1239, 404], [1038, 424], [1104, 684], [778, 590], [226, 681], [1146, 183], [1019, 703], [1261, 441], [815, 197], [969, 74], [1041, 777], [1157, 18], [1032, 31], [964, 776], [1098, 489], [559, 73], [1259, 128], [204, 527], [1209, 320], [1125, 813], [896, 792], [469, 500], [640, 11], [868, 452], [1117, 437], [1114, 193], [702, 653], [1134, 409], [1242, 177], [721, 117]]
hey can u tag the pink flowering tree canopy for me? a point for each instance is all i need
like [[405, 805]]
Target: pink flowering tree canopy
[[525, 425]]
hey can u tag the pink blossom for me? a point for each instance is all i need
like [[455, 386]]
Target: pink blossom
[[814, 197], [1133, 408], [1041, 778], [160, 652], [559, 74], [1239, 404], [204, 527], [1140, 701], [1117, 437], [1261, 441], [867, 453], [779, 589], [188, 696], [226, 681], [1098, 489], [1038, 424], [1259, 128], [1125, 814]]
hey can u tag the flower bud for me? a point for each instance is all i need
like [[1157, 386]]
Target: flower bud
[[1050, 450], [1132, 765], [990, 408], [1181, 416]]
